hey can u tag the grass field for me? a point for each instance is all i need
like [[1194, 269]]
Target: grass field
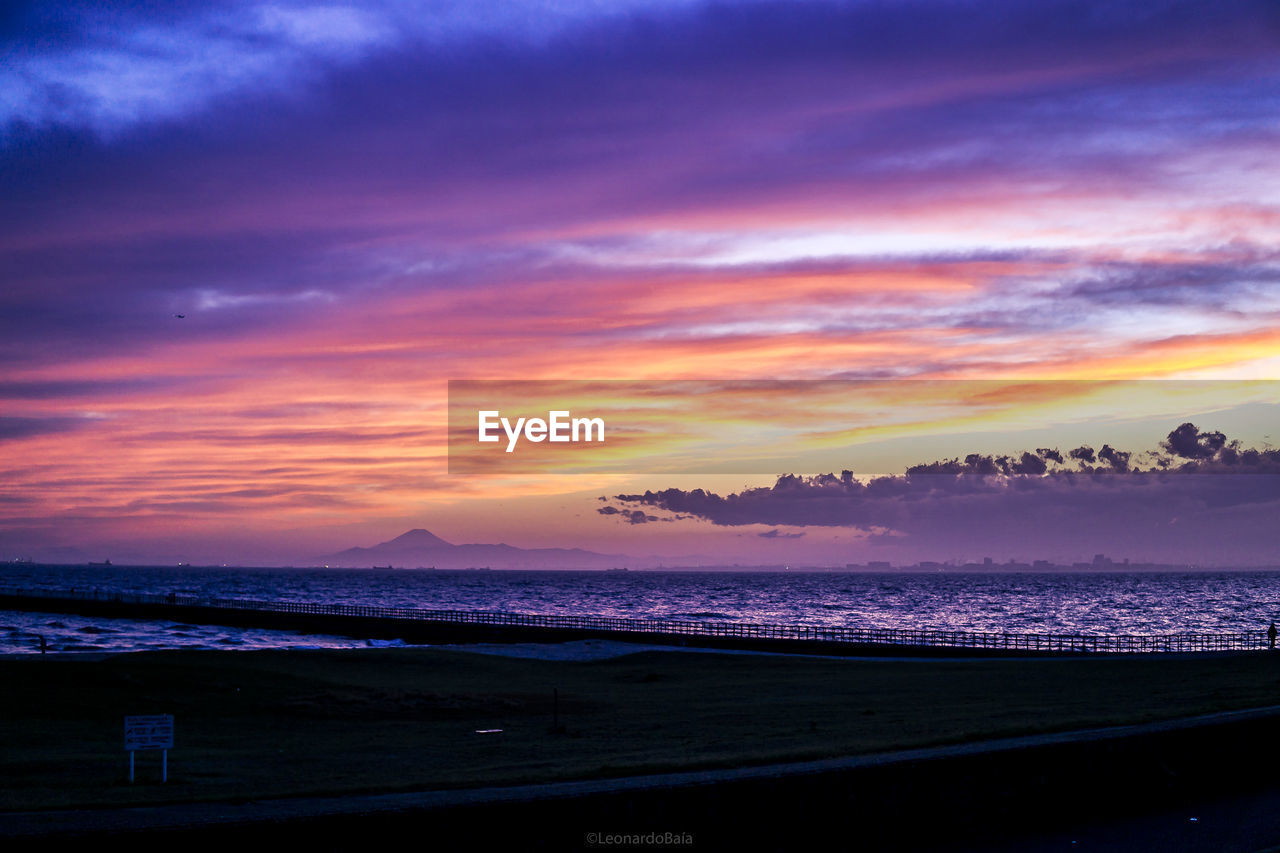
[[271, 723]]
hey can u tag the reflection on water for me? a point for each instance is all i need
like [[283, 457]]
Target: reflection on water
[[21, 632], [1093, 603]]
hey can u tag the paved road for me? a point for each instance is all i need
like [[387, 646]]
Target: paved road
[[1247, 823]]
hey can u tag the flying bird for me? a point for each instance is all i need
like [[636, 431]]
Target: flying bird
[[181, 316]]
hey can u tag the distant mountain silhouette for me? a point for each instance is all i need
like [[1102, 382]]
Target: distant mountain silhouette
[[416, 538], [423, 549]]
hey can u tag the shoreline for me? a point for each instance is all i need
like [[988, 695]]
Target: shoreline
[[416, 626]]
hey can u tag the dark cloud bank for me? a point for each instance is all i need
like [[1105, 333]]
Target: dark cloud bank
[[1200, 499]]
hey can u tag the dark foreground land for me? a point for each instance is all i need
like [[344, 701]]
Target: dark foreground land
[[254, 725]]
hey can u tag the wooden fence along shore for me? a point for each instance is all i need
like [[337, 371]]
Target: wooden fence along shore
[[452, 626]]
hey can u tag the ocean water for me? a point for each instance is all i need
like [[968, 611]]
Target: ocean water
[[1087, 602]]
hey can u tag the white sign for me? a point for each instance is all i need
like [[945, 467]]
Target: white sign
[[154, 731]]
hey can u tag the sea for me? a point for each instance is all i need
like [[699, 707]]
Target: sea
[[1116, 602]]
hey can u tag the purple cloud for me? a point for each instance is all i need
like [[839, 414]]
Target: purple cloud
[[391, 165], [1209, 508], [778, 534]]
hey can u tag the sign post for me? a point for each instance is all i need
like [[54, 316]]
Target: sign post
[[151, 731]]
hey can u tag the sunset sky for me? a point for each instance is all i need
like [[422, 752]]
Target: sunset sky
[[351, 205]]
